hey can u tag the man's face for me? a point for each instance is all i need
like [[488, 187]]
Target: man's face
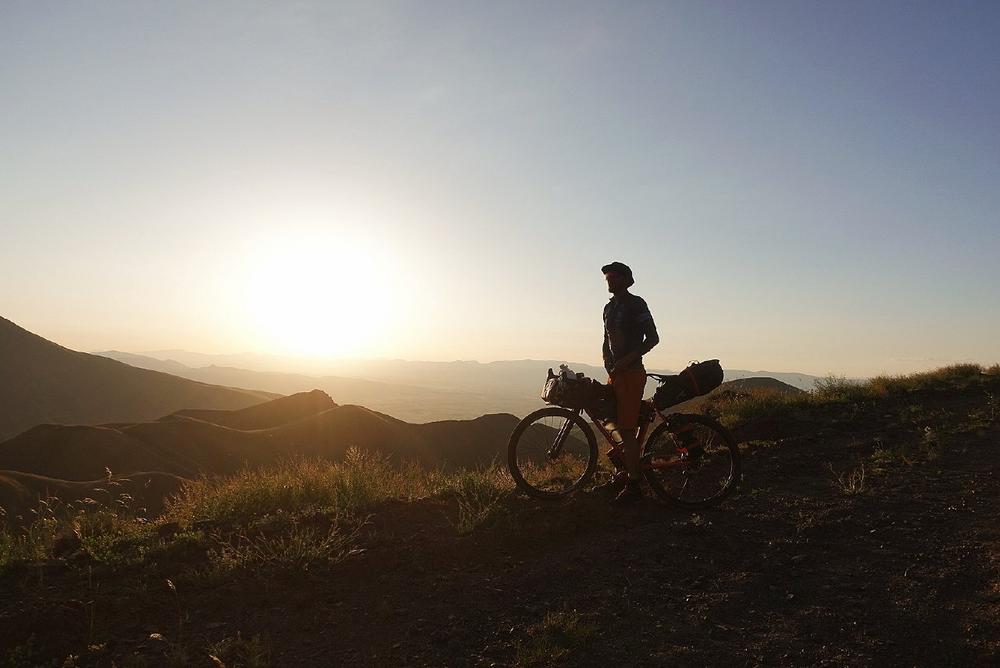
[[616, 281]]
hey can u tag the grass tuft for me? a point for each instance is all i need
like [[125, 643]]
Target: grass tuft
[[298, 549], [851, 482], [559, 634]]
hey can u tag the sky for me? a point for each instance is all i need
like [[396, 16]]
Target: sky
[[797, 186]]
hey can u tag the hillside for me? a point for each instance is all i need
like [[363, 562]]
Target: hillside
[[866, 532], [734, 389], [42, 382], [266, 415], [192, 442]]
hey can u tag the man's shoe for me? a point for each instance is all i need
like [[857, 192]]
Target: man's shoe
[[630, 494]]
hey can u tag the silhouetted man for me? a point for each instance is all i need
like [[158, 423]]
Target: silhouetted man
[[629, 333]]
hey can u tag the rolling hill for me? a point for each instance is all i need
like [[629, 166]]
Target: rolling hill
[[188, 443], [732, 388], [43, 382]]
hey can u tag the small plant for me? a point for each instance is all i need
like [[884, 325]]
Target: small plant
[[882, 457], [554, 639], [930, 443], [480, 494], [849, 483]]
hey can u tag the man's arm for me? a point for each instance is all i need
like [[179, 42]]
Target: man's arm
[[650, 339], [649, 335]]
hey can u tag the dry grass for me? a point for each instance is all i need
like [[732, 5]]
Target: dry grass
[[850, 482], [555, 638], [742, 406], [291, 516]]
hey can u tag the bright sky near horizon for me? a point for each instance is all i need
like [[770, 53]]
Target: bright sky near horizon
[[798, 186]]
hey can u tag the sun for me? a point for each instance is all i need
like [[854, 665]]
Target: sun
[[320, 295]]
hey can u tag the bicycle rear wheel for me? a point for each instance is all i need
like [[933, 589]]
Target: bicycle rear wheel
[[551, 453], [691, 461]]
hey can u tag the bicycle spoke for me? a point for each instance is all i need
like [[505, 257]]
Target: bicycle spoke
[[551, 452], [695, 466]]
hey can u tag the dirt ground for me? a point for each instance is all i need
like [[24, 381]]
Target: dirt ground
[[790, 571]]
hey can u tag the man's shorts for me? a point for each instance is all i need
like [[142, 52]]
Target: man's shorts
[[629, 386]]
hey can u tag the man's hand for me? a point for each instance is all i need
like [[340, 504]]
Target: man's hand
[[625, 362]]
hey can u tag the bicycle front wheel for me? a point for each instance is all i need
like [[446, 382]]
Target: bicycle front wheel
[[691, 461], [551, 453]]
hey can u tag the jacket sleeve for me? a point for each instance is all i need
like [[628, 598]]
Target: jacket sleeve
[[644, 319], [651, 337]]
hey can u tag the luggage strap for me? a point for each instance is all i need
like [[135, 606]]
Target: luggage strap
[[694, 381]]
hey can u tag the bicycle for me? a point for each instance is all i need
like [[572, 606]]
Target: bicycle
[[688, 460]]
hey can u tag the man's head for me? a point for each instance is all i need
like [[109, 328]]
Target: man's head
[[618, 276]]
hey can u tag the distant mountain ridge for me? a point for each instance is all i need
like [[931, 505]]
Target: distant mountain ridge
[[413, 391], [43, 382], [421, 373]]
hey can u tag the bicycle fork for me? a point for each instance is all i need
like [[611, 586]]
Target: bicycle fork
[[561, 437]]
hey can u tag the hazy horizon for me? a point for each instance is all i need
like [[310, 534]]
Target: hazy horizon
[[798, 187]]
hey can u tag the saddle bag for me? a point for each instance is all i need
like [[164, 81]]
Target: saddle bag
[[698, 379]]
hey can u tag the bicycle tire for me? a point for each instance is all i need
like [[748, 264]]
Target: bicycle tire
[[726, 443], [517, 441]]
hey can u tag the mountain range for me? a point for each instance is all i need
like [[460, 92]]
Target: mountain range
[[43, 382], [410, 390]]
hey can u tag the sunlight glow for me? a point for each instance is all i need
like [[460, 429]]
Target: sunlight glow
[[319, 294]]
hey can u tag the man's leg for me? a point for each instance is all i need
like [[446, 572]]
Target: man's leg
[[629, 386], [631, 446]]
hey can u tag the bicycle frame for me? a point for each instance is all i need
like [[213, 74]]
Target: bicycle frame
[[646, 418], [616, 448]]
